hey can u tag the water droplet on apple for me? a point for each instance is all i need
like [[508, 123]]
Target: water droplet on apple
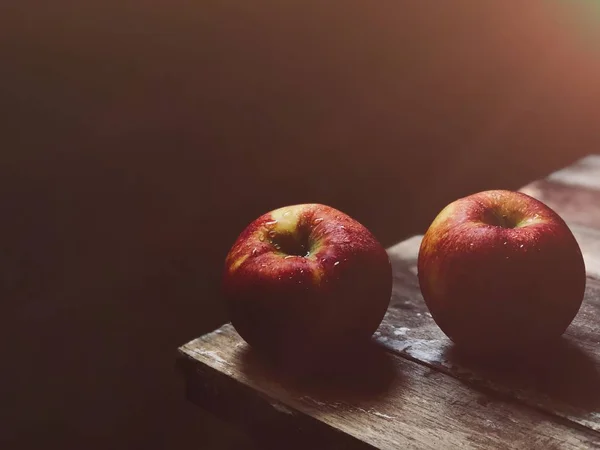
[[521, 246], [289, 256], [318, 220], [336, 263], [505, 242], [301, 270], [261, 238], [342, 227], [270, 223], [471, 244], [272, 234], [254, 251]]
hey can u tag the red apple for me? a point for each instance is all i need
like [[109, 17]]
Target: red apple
[[305, 280], [501, 272]]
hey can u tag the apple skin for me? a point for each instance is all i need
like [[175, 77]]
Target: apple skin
[[305, 281], [501, 273]]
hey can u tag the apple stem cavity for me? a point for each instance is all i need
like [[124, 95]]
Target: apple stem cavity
[[292, 244], [502, 220]]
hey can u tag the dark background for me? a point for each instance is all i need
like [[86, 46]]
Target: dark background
[[139, 138]]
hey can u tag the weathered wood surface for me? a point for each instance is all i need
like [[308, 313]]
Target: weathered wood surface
[[574, 192], [385, 402], [565, 381], [435, 398]]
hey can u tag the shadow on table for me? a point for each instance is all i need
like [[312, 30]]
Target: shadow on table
[[563, 377], [357, 378]]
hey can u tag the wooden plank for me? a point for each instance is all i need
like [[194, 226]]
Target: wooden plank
[[576, 205], [550, 402], [565, 382], [383, 401], [574, 192], [584, 173]]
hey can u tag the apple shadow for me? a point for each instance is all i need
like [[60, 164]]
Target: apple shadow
[[359, 378], [562, 373]]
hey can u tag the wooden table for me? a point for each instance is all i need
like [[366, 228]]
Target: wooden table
[[411, 390]]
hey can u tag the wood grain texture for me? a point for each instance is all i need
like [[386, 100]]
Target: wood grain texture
[[574, 192], [584, 173], [563, 382], [386, 402]]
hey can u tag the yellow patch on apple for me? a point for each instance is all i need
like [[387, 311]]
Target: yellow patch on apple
[[287, 219]]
